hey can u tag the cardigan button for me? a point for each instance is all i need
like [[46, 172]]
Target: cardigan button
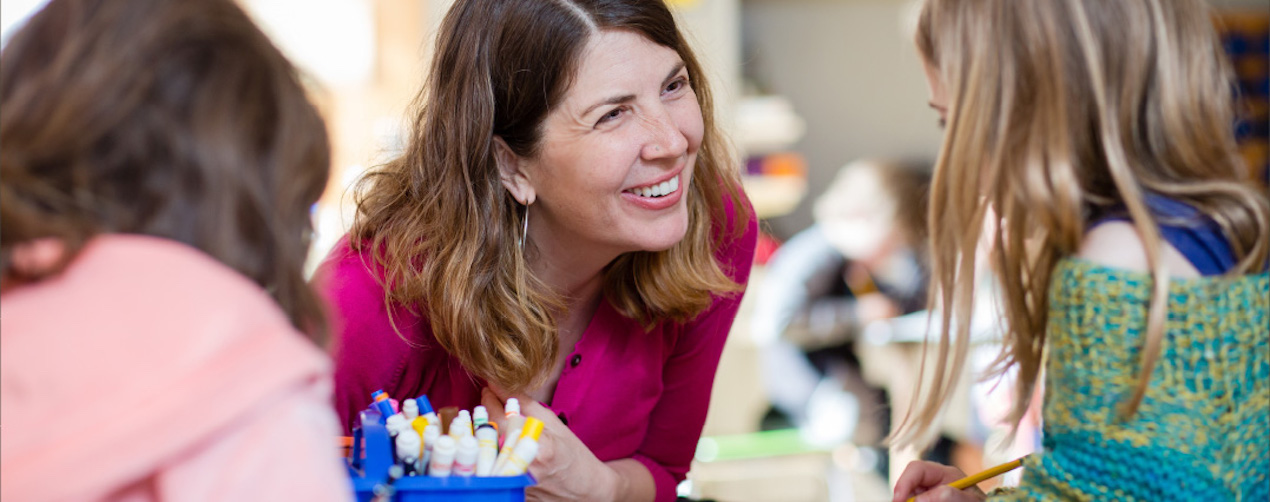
[[577, 359]]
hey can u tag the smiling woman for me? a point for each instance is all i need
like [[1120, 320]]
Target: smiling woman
[[566, 227]]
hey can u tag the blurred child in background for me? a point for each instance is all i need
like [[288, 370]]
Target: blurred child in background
[[1095, 138], [160, 159], [863, 261]]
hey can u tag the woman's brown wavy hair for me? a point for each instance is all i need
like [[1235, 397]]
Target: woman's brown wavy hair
[[1060, 110], [445, 229], [171, 118]]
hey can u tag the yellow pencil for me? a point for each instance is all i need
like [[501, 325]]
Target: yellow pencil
[[975, 479]]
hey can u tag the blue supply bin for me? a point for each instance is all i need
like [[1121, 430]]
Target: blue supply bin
[[370, 476]]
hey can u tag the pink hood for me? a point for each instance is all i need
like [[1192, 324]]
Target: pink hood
[[148, 370]]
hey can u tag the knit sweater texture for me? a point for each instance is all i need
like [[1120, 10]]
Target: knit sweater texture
[[1200, 432]]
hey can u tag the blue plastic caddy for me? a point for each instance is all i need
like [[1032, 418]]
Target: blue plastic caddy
[[371, 459]]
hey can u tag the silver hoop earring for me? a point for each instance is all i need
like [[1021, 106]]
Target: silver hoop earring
[[524, 231]]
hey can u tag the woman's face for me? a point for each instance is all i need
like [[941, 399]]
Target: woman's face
[[617, 154]]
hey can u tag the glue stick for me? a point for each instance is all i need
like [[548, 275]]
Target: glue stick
[[526, 449]]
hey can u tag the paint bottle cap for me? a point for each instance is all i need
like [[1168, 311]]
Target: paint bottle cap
[[513, 406], [396, 423], [480, 415], [487, 431], [425, 406], [533, 428], [378, 395], [445, 445], [408, 444], [410, 409], [431, 433]]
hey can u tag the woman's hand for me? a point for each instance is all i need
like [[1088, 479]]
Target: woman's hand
[[564, 467], [928, 481]]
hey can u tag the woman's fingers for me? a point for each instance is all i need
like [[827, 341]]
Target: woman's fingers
[[531, 408]]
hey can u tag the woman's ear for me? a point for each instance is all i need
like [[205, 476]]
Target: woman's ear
[[512, 173]]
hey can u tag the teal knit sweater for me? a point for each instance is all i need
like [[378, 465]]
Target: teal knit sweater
[[1202, 431]]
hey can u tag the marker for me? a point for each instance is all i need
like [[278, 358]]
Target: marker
[[465, 458], [526, 449], [480, 416], [442, 457], [381, 403], [969, 481], [464, 428], [425, 409], [515, 422], [447, 415], [431, 434], [409, 444], [487, 449]]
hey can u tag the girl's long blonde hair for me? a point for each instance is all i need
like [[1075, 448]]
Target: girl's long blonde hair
[[1057, 111], [445, 230]]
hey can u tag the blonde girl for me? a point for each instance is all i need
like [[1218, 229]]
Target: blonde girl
[[1091, 142]]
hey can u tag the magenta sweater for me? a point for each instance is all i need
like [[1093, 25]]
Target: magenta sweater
[[624, 392]]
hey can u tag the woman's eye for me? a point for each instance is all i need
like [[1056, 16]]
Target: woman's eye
[[678, 84], [615, 113]]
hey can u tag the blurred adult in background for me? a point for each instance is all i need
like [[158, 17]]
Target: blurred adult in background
[[565, 226], [861, 262], [159, 340]]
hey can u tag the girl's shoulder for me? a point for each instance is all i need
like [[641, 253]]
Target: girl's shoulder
[[1194, 244], [1116, 244]]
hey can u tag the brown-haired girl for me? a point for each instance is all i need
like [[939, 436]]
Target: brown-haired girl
[[160, 158]]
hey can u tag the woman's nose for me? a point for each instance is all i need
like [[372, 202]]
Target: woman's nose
[[665, 139]]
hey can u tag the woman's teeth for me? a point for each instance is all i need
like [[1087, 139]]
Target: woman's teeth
[[659, 190]]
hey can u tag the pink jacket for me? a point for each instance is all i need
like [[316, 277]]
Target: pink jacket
[[149, 371]]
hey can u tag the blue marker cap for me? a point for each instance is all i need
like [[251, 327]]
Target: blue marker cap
[[425, 406], [385, 411], [381, 404]]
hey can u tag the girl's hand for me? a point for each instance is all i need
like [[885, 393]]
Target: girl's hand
[[928, 481], [564, 468]]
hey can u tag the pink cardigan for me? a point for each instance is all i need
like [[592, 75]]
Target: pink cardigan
[[625, 393], [149, 371]]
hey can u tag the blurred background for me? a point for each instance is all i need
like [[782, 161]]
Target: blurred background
[[819, 96]]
